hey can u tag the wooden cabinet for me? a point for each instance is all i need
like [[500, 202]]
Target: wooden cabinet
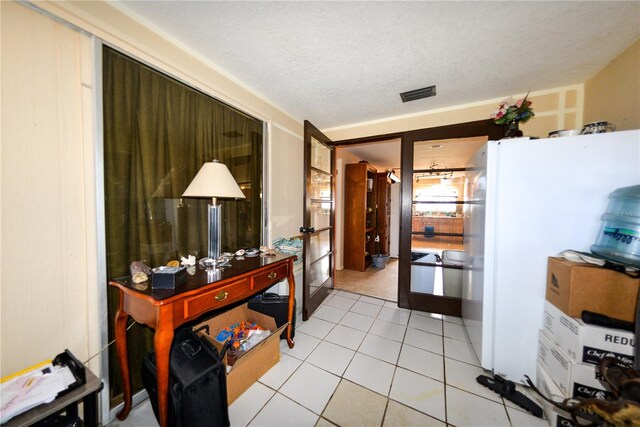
[[384, 213], [360, 185]]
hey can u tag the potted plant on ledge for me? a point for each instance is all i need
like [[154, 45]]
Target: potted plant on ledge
[[512, 112]]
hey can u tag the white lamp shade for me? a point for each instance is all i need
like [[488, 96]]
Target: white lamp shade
[[214, 180]]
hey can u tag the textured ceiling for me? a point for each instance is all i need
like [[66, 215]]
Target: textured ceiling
[[339, 63]]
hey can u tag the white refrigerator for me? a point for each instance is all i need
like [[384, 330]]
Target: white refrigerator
[[531, 199]]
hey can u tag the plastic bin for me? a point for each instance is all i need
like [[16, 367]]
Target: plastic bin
[[452, 277], [380, 260], [422, 276]]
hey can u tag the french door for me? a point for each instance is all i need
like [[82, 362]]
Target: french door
[[427, 279], [318, 228]]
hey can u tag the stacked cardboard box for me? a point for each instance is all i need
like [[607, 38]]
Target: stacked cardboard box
[[568, 348], [545, 384]]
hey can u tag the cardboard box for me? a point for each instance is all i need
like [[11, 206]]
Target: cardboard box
[[573, 379], [574, 287], [587, 343], [254, 363], [555, 416]]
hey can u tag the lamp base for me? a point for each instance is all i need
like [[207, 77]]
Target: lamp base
[[215, 214]]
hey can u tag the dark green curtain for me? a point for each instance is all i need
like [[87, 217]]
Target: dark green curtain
[[157, 134]]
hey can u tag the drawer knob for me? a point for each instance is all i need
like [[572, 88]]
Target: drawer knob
[[272, 275], [221, 296]]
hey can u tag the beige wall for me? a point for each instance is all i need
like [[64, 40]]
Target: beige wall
[[614, 93], [286, 184], [557, 108], [49, 294]]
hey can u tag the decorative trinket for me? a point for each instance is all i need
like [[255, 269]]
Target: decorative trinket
[[139, 266], [189, 261], [139, 277]]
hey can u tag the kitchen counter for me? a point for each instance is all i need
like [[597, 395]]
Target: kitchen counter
[[440, 224]]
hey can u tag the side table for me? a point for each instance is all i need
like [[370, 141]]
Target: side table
[[68, 403]]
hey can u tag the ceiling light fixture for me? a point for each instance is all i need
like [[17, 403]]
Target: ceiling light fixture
[[434, 146]]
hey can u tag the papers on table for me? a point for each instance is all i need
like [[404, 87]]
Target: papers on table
[[32, 388]]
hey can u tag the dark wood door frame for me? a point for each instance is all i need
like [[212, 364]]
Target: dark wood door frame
[[407, 299]]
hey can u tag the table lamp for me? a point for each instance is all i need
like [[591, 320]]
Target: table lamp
[[214, 180]]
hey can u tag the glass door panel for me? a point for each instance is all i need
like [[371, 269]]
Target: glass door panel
[[321, 199], [433, 185], [320, 272], [320, 156], [319, 244], [318, 228]]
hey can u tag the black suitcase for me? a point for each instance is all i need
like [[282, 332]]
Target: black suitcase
[[276, 306], [197, 382]]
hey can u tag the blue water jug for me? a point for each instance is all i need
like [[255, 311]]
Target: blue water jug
[[619, 237]]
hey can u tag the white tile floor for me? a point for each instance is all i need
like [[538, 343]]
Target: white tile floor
[[362, 361]]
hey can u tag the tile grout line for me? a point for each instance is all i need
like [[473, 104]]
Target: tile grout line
[[444, 378], [396, 365]]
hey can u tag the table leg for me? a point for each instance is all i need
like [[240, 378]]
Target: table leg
[[162, 345], [123, 361], [292, 299], [90, 411]]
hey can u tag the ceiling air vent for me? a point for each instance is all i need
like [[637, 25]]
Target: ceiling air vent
[[412, 95]]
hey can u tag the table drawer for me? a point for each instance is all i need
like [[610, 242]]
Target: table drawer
[[271, 276], [217, 298]]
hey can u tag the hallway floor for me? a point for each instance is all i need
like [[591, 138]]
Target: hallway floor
[[383, 283], [363, 361], [373, 282]]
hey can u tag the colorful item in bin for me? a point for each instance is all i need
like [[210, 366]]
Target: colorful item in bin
[[237, 333], [173, 263], [241, 336]]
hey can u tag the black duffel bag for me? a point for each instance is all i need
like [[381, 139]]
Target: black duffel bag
[[197, 382], [276, 306]]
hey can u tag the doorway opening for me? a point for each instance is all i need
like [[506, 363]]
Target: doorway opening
[[406, 296], [368, 218], [437, 212], [438, 190]]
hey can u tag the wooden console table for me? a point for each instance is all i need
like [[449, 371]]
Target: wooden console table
[[166, 309]]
